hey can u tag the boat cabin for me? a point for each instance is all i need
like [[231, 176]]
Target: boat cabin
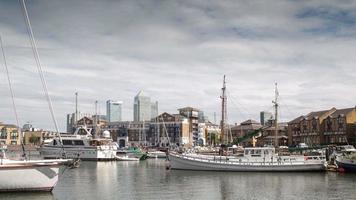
[[68, 142], [259, 152]]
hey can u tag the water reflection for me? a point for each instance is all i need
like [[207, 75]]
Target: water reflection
[[27, 195], [150, 180]]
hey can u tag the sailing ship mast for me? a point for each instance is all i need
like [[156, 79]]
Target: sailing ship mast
[[223, 111], [275, 104]]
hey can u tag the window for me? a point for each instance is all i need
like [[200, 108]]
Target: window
[[67, 142], [314, 124], [341, 122], [3, 134], [14, 135], [78, 142], [329, 124]]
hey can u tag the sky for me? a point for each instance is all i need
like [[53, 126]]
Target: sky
[[177, 53]]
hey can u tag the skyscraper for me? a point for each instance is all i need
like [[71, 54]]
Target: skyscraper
[[144, 109], [265, 117], [113, 110], [154, 109]]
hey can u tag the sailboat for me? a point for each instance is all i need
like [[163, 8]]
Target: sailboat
[[254, 159], [28, 175]]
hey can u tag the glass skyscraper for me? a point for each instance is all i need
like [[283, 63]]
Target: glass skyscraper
[[113, 110], [144, 109]]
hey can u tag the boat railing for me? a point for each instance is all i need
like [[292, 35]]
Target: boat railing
[[245, 161]]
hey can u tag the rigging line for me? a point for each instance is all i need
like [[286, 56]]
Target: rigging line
[[38, 63], [13, 99], [242, 113], [40, 70], [235, 104]]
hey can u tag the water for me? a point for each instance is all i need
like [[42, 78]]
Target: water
[[150, 180]]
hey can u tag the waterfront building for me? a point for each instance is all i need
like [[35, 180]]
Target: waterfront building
[[208, 134], [38, 136], [268, 135], [244, 128], [113, 110], [333, 126], [265, 118], [163, 131], [9, 134], [72, 120], [192, 114], [171, 129], [130, 133]]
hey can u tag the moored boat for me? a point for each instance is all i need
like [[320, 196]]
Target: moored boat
[[346, 161], [29, 175], [81, 145], [263, 159]]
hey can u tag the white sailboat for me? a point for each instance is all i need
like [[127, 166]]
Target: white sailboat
[[254, 159], [28, 175]]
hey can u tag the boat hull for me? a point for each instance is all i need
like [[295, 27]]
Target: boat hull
[[186, 163], [86, 154], [347, 165], [28, 178]]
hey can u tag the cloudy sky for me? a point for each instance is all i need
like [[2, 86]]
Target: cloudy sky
[[177, 52]]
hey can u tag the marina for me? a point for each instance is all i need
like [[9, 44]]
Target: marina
[[178, 100]]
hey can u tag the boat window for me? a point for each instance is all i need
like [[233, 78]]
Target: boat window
[[54, 142], [78, 142], [252, 151], [258, 152], [266, 152], [82, 132], [67, 142], [246, 152]]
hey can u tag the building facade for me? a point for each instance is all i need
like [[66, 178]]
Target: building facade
[[192, 114], [9, 134], [268, 135], [333, 126], [244, 128], [113, 110], [163, 131]]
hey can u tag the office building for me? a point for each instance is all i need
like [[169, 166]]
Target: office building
[[113, 110]]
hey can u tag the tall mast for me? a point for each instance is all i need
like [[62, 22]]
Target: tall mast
[[223, 111], [76, 108], [275, 102], [96, 118]]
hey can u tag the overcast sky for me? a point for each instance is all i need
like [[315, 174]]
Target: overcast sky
[[177, 53]]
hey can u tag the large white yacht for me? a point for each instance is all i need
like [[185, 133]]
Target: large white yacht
[[81, 145]]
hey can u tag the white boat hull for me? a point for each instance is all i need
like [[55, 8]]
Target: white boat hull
[[194, 163], [33, 175], [126, 158], [90, 154]]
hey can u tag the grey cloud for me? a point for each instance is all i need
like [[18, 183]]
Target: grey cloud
[[177, 52]]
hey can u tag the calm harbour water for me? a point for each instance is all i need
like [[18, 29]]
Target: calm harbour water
[[150, 180]]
